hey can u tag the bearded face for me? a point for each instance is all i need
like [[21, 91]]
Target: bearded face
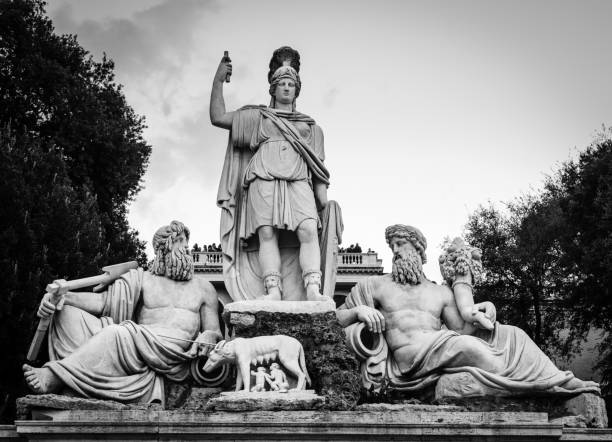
[[172, 258], [407, 268], [179, 265]]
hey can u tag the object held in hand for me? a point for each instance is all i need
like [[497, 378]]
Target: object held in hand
[[60, 287], [227, 59]]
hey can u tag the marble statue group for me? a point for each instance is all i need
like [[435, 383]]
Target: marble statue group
[[279, 238]]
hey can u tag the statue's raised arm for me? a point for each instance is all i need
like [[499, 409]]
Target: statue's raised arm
[[218, 116]]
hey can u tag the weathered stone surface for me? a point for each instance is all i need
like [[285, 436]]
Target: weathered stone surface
[[255, 306], [571, 421], [410, 407], [198, 400], [294, 425], [176, 393], [589, 405], [244, 319], [453, 387], [269, 400], [9, 433], [60, 402], [331, 365]]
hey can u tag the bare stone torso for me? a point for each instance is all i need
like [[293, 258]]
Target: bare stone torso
[[412, 313], [171, 308]]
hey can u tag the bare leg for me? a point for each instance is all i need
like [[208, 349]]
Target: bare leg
[[270, 262], [310, 257], [41, 380]]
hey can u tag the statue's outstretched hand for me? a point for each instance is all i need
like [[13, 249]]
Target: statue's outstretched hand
[[372, 318], [225, 68], [47, 307], [202, 345], [490, 313]]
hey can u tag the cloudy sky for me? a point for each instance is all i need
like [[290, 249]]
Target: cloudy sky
[[429, 108]]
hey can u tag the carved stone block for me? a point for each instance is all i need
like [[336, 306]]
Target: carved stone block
[[585, 409], [591, 406]]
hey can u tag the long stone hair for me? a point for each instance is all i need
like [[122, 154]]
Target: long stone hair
[[162, 244]]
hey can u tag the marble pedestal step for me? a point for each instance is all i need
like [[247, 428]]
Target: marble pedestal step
[[403, 424]]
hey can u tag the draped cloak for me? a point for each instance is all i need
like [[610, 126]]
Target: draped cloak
[[525, 367], [113, 357], [244, 171]]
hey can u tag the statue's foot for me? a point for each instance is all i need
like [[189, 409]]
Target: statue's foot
[[274, 294], [312, 294], [41, 380], [575, 384]]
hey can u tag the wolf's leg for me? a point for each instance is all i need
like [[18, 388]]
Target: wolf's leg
[[292, 365], [238, 379], [245, 369]]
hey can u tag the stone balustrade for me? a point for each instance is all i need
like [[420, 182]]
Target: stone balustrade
[[352, 260], [208, 259], [359, 260]]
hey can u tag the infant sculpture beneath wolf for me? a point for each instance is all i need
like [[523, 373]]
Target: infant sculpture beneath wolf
[[252, 351]]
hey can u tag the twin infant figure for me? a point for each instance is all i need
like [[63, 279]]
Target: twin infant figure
[[277, 379]]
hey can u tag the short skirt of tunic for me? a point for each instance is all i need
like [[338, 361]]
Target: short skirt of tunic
[[278, 203]]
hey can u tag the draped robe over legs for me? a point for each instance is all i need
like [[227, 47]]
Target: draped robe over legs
[[113, 357], [505, 359]]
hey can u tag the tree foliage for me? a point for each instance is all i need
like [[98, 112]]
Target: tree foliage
[[72, 157], [548, 255]]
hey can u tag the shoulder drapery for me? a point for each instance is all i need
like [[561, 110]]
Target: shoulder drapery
[[122, 296]]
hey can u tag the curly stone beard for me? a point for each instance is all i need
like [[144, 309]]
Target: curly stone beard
[[179, 265], [408, 270]]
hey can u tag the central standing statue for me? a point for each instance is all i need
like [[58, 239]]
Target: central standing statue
[[273, 185]]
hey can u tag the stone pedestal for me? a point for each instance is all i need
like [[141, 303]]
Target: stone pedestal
[[267, 401], [582, 410], [95, 420], [406, 425], [332, 366]]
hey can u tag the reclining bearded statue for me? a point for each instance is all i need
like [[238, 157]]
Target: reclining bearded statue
[[120, 344], [406, 312]]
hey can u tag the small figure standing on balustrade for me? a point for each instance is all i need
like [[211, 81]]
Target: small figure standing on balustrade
[[274, 181]]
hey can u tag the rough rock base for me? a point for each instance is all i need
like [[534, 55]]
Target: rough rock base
[[587, 409], [268, 400]]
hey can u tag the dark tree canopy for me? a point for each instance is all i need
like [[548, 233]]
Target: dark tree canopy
[[549, 256], [72, 157], [584, 191]]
